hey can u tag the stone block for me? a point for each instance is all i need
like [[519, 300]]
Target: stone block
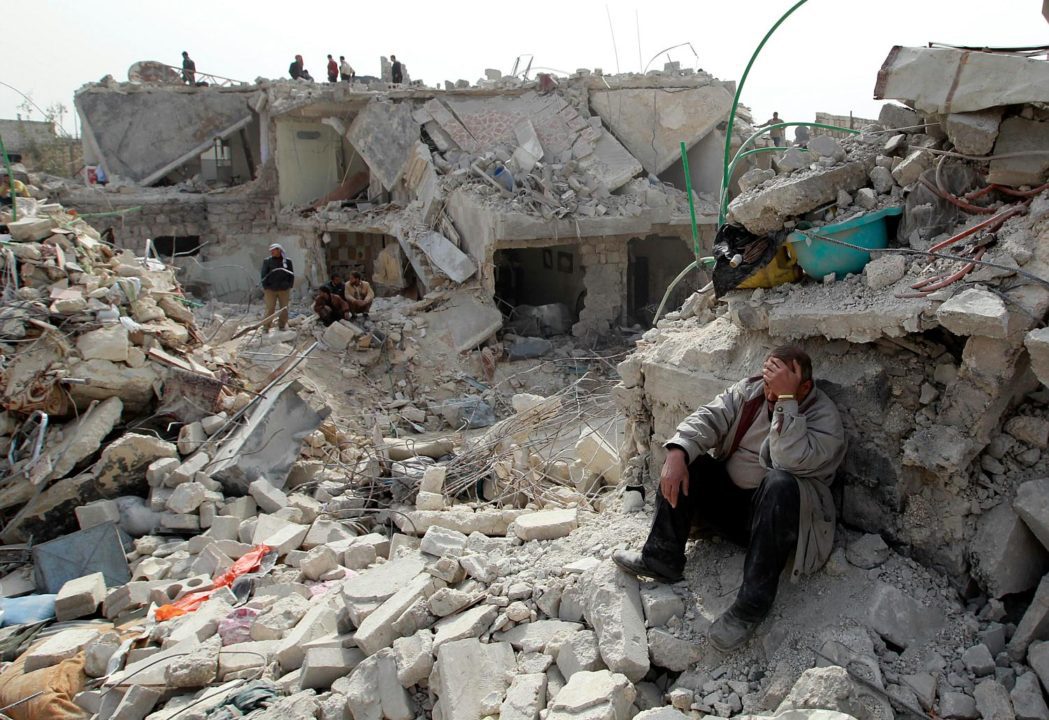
[[414, 656], [190, 438], [241, 508], [869, 551], [1006, 557], [601, 694], [467, 673], [373, 691], [80, 597], [613, 608], [598, 455], [1038, 659], [992, 700], [137, 703], [279, 534], [318, 561], [1037, 344], [893, 117], [674, 654], [546, 524], [908, 171], [884, 270], [319, 620], [579, 653], [1027, 699], [525, 697], [30, 229], [186, 498], [269, 498], [978, 660], [1034, 625], [197, 669], [1021, 136], [224, 527], [439, 541], [213, 423], [324, 665], [974, 133], [57, 648], [881, 180], [534, 637], [958, 706], [187, 470], [377, 630], [108, 343], [975, 312], [364, 592], [97, 513], [1033, 431], [238, 657], [282, 616], [900, 619], [433, 479], [1032, 505], [429, 501], [98, 652], [660, 603], [340, 335]]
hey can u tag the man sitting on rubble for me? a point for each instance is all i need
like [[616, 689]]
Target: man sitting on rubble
[[329, 306], [359, 295], [756, 463]]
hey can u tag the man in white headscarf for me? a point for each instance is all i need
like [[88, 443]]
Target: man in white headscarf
[[278, 277]]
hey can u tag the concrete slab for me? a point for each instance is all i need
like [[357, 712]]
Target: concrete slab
[[652, 122], [384, 133], [445, 256], [945, 80], [142, 134]]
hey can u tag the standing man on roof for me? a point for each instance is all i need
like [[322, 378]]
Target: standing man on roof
[[189, 69], [347, 71], [278, 277], [756, 464], [333, 70], [779, 138], [396, 70]]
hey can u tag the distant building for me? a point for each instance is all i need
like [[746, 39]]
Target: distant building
[[848, 121], [36, 145]]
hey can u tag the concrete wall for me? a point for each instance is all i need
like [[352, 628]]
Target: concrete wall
[[307, 161], [540, 284], [664, 258], [605, 263], [705, 163]]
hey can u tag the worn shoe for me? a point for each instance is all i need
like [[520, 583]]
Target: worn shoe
[[634, 563], [729, 631]]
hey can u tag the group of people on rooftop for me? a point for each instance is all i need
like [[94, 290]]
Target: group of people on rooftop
[[341, 70]]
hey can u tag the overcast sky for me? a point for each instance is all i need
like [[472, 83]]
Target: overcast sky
[[824, 57]]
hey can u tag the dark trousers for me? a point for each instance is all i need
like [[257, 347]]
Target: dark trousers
[[763, 520]]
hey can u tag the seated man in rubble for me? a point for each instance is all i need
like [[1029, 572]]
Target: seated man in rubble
[[359, 295], [329, 307], [757, 464]]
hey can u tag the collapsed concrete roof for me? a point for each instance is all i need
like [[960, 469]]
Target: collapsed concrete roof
[[143, 133]]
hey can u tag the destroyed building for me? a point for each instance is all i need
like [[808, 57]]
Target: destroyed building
[[539, 195], [400, 517]]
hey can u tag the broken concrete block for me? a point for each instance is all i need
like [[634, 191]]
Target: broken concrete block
[[546, 524], [213, 423], [893, 117], [198, 668], [899, 618], [58, 647], [185, 472], [1032, 505], [468, 672], [975, 312], [186, 498], [1038, 659], [1034, 625], [448, 601], [467, 624], [429, 501], [1006, 557], [373, 691], [826, 146], [440, 542], [600, 694], [908, 171], [667, 651], [190, 438], [107, 343], [98, 652], [269, 498], [340, 335], [1037, 344], [832, 688], [958, 706], [281, 535], [414, 657], [136, 704], [318, 561], [978, 660], [238, 657], [1029, 140], [974, 133], [533, 637], [1027, 699], [281, 617], [613, 608], [992, 700], [756, 176], [1029, 430], [377, 630], [30, 229], [884, 270], [525, 697], [319, 620], [433, 479], [97, 513], [80, 597], [324, 665], [598, 455], [579, 653], [158, 470], [363, 593], [660, 603], [868, 552]]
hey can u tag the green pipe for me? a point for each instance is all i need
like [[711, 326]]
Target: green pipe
[[691, 204], [739, 89], [707, 261], [742, 152], [10, 180]]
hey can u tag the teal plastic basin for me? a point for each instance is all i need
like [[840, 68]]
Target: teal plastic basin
[[819, 258]]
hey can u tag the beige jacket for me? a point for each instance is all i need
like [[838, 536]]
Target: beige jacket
[[808, 441], [362, 291]]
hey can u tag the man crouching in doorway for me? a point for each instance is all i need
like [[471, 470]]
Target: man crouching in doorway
[[756, 464]]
